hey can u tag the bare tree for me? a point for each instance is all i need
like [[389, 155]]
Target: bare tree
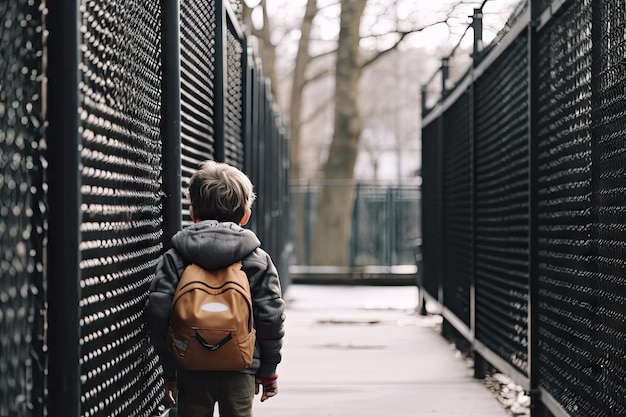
[[298, 83], [334, 210], [333, 215], [389, 102]]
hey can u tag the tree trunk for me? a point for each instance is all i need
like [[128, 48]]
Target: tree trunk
[[334, 211], [295, 119]]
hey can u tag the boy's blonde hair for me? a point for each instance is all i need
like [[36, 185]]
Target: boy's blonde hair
[[219, 191]]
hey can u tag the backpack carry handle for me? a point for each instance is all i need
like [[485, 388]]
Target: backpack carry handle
[[211, 347]]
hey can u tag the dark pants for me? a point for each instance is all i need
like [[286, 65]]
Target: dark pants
[[199, 391]]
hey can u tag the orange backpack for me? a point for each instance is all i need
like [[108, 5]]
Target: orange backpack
[[211, 324]]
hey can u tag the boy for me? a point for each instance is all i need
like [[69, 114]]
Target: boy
[[221, 199]]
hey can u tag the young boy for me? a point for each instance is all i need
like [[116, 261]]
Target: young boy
[[221, 199]]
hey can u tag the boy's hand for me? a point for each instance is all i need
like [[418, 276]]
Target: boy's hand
[[170, 392], [270, 387]]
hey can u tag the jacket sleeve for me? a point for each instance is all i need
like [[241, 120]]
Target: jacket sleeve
[[269, 315], [158, 307]]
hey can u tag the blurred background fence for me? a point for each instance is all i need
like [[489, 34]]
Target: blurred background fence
[[106, 108], [524, 243], [385, 226]]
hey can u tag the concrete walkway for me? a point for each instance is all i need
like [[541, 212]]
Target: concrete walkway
[[363, 352]]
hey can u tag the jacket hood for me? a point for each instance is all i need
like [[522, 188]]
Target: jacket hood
[[212, 245]]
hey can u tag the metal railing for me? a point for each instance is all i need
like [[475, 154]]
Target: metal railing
[[105, 109], [385, 226], [523, 243]]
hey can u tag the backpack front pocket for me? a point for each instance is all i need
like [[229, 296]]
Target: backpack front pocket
[[209, 350]]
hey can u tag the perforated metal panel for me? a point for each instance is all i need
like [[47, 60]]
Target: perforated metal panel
[[577, 192], [120, 231], [502, 205], [457, 226], [233, 112], [385, 224], [564, 220], [111, 136], [267, 165], [197, 73], [609, 135], [22, 210]]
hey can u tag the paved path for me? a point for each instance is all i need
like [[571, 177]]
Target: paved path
[[363, 352]]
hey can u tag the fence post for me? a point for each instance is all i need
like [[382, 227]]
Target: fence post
[[477, 25], [391, 227], [479, 362], [245, 106], [354, 238], [537, 407], [171, 120], [598, 57], [220, 80], [252, 154], [307, 217], [445, 75], [64, 215], [439, 202]]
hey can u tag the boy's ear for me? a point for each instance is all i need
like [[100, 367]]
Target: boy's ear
[[246, 217]]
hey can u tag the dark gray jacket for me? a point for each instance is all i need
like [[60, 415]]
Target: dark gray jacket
[[213, 245]]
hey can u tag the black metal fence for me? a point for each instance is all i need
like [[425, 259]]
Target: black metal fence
[[524, 242], [106, 107], [385, 223]]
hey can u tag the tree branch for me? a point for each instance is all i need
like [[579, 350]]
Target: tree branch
[[403, 35], [323, 54], [317, 111], [318, 75]]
